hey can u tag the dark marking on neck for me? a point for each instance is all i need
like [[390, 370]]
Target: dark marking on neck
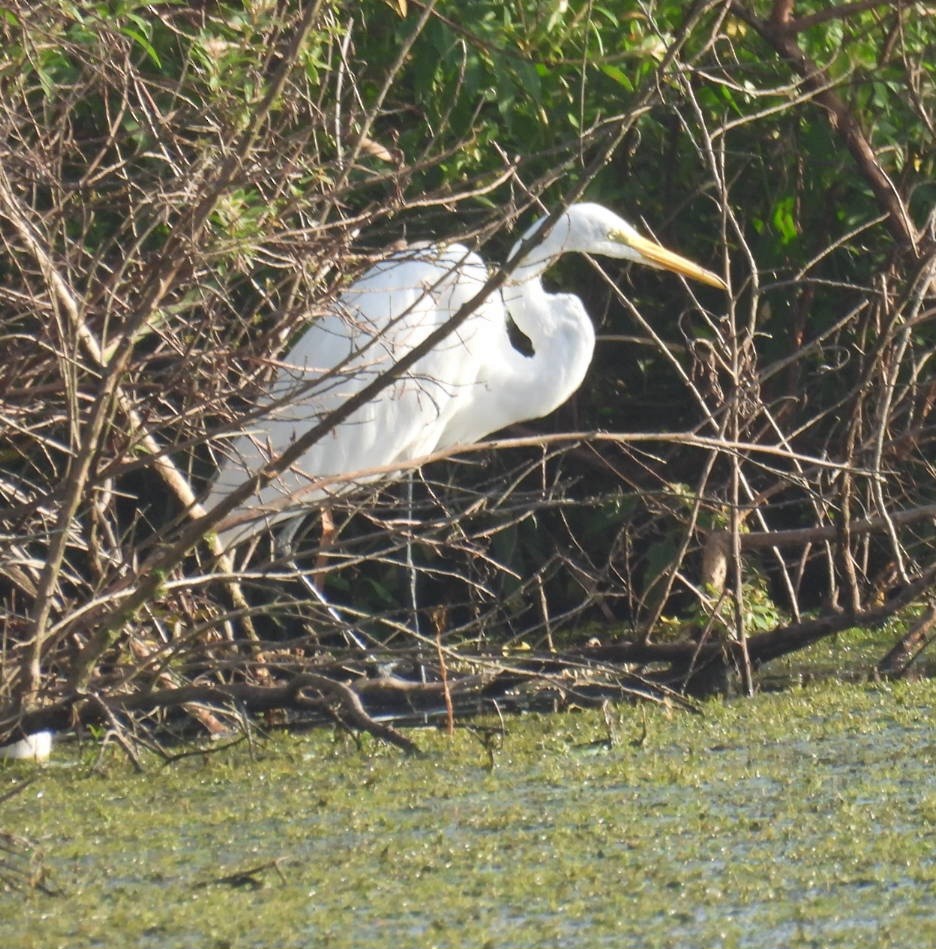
[[519, 340]]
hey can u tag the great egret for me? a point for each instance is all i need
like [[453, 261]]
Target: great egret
[[473, 383]]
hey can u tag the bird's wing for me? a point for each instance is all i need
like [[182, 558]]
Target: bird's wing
[[376, 321]]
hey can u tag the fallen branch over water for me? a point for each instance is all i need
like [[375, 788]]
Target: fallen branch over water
[[695, 656]]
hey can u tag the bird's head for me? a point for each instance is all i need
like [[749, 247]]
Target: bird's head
[[592, 229]]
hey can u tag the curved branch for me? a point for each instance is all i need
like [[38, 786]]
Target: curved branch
[[345, 702], [763, 647]]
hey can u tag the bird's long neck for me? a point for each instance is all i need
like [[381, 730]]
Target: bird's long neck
[[534, 263], [558, 327], [515, 386], [523, 294]]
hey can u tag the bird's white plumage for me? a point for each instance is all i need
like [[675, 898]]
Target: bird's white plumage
[[34, 747], [471, 384]]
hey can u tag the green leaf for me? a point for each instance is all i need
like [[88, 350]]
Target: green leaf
[[144, 44], [783, 220], [617, 75]]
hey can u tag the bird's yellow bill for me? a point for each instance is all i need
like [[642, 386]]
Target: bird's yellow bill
[[658, 256]]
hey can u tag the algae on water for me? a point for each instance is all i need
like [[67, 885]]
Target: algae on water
[[796, 819]]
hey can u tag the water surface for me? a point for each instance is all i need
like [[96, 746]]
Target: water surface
[[799, 819]]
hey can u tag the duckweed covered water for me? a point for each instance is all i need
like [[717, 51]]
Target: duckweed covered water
[[801, 819]]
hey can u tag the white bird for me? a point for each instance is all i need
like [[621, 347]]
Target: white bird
[[34, 747], [473, 383]]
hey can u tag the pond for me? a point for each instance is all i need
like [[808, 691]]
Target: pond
[[805, 818]]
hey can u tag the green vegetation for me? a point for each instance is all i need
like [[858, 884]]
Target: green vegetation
[[797, 819], [183, 187]]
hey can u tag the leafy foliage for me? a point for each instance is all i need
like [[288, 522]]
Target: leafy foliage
[[182, 187]]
